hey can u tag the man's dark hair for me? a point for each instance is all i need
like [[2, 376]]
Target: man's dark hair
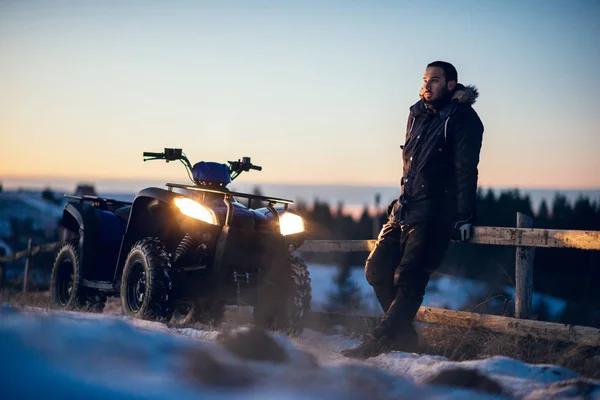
[[449, 70]]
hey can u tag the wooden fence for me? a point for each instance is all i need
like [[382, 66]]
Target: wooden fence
[[27, 253], [524, 238]]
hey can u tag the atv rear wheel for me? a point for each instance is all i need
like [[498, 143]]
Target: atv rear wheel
[[65, 289], [288, 309], [146, 284]]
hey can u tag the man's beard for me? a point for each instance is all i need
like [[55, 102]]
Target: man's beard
[[439, 101]]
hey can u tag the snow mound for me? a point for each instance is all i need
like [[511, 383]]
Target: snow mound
[[76, 355]]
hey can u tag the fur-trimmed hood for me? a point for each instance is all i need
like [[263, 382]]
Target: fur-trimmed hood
[[466, 95], [463, 94]]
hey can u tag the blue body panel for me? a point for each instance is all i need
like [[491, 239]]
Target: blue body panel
[[212, 172], [110, 232], [111, 228]]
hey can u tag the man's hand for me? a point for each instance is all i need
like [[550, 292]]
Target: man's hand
[[390, 207], [463, 230]]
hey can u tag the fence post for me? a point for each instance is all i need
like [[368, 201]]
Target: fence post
[[27, 262], [2, 270], [376, 223], [523, 272], [1, 277]]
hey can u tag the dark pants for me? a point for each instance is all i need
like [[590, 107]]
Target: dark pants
[[399, 268]]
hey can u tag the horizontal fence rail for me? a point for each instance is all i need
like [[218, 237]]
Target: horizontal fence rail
[[30, 252], [527, 237]]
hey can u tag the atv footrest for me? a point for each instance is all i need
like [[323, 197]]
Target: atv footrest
[[193, 268], [102, 285]]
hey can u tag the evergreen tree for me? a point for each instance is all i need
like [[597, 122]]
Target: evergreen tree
[[543, 213], [561, 212], [346, 297], [364, 230], [584, 214]]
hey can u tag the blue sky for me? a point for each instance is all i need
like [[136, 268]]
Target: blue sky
[[314, 91]]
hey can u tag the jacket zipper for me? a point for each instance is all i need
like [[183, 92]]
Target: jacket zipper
[[446, 129]]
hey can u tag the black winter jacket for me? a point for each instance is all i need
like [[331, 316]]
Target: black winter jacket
[[440, 159]]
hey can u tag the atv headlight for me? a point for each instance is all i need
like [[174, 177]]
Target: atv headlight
[[290, 223], [195, 210]]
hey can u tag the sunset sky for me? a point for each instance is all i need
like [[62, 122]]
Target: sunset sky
[[314, 91]]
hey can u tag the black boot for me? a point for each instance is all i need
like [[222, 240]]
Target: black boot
[[370, 347], [406, 340], [395, 332]]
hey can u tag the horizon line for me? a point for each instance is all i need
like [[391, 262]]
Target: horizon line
[[330, 184]]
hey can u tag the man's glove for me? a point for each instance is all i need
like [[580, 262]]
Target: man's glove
[[390, 207], [463, 229]]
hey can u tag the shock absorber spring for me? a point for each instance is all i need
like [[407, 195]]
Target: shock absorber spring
[[184, 246]]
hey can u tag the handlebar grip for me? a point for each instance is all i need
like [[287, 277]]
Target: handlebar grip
[[256, 167], [149, 154]]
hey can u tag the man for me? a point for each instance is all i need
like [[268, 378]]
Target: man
[[437, 203]]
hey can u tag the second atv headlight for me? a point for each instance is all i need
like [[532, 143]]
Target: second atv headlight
[[195, 210], [290, 223]]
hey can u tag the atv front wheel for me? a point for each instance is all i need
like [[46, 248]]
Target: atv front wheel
[[146, 284], [65, 289], [287, 309]]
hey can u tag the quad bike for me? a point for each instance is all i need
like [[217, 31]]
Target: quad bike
[[183, 253]]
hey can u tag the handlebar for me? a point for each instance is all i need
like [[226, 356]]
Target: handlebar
[[237, 167], [155, 155], [170, 154]]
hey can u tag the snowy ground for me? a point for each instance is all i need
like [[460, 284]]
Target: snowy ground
[[66, 355], [443, 291]]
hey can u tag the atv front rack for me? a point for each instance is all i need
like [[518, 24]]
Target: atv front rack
[[227, 195]]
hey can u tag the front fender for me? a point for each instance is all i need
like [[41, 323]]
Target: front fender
[[153, 214]]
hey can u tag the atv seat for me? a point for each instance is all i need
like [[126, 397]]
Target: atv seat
[[123, 213]]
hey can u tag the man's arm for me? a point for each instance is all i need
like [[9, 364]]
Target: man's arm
[[468, 138], [409, 126]]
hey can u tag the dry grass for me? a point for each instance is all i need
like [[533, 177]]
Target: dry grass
[[456, 344], [41, 299], [30, 299], [470, 344]]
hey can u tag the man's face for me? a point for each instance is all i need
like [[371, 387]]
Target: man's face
[[435, 86]]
